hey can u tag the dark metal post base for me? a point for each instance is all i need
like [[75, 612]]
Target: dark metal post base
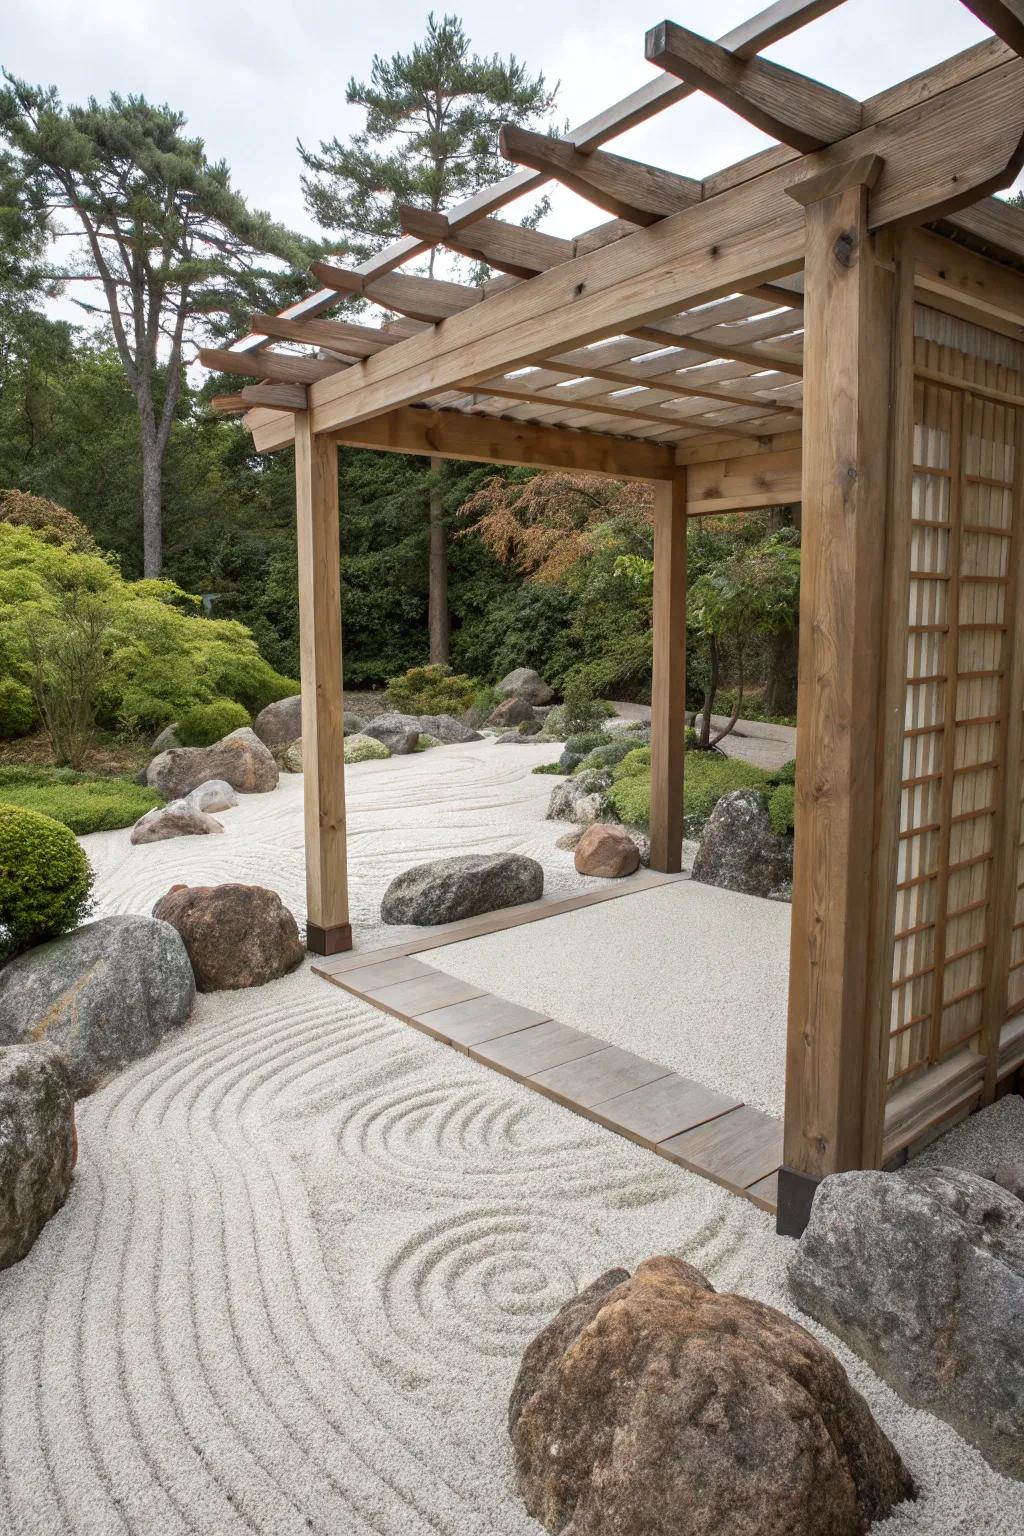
[[796, 1194], [328, 941]]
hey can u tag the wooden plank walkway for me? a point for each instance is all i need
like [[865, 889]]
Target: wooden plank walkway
[[709, 1133]]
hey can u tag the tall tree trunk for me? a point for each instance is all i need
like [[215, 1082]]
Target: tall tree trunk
[[438, 604], [780, 687], [152, 506]]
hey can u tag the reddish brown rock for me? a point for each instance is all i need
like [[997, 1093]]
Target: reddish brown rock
[[235, 935], [240, 759], [512, 711], [606, 850], [652, 1406]]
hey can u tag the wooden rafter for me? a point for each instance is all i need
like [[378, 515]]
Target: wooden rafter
[[1004, 17], [276, 367], [627, 188], [785, 105], [509, 247]]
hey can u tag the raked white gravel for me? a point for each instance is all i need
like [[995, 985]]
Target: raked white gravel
[[305, 1245]]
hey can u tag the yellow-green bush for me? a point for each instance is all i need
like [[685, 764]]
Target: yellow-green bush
[[45, 880], [433, 690], [707, 777], [204, 724], [80, 801], [18, 714]]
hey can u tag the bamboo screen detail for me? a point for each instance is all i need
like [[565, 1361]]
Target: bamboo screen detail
[[966, 508]]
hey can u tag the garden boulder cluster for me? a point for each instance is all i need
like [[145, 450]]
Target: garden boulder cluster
[[653, 1406], [240, 759], [921, 1272]]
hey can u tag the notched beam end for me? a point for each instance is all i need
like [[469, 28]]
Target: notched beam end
[[339, 278], [423, 223], [864, 171]]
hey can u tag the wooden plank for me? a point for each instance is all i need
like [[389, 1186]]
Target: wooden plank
[[1005, 17], [491, 440], [279, 367], [662, 1108], [354, 340], [668, 686], [587, 1081], [765, 1192], [962, 283], [480, 1019], [384, 973], [509, 247], [994, 225], [421, 298], [629, 189], [282, 397], [737, 1149], [323, 758], [529, 1051], [848, 310], [419, 995], [783, 104], [758, 480], [931, 1099]]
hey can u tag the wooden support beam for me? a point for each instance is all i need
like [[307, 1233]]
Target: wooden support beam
[[339, 335], [509, 247], [627, 188], [954, 146], [284, 397], [760, 357], [849, 316], [323, 735], [421, 298], [668, 381], [739, 484], [994, 226], [276, 367], [668, 684], [229, 405], [602, 405], [961, 283], [1004, 17], [783, 104], [493, 440]]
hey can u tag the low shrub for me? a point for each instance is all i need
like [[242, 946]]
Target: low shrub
[[204, 724], [781, 801], [432, 690], [707, 777], [81, 802], [18, 713], [581, 711], [425, 743], [48, 519], [607, 755], [547, 768], [45, 880], [585, 742], [364, 749], [786, 774]]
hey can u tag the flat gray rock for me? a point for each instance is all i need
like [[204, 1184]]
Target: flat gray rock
[[105, 994], [922, 1273], [280, 723], [446, 890], [740, 851], [399, 733], [354, 724], [447, 730], [37, 1144], [179, 819], [167, 739]]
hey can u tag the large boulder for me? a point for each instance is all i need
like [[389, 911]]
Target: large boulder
[[447, 730], [105, 994], [179, 819], [37, 1144], [399, 733], [280, 723], [741, 851], [354, 724], [215, 795], [448, 889], [922, 1273], [240, 758], [608, 851], [235, 935], [526, 684], [652, 1406], [581, 799], [511, 711]]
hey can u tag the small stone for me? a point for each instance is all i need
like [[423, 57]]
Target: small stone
[[581, 799], [448, 730], [105, 994], [354, 725], [215, 795], [167, 739], [179, 819], [445, 890], [608, 851], [399, 733], [513, 711], [653, 1406], [236, 935], [280, 723], [740, 851], [526, 684], [289, 758], [38, 1146], [569, 840], [1009, 1176], [240, 758]]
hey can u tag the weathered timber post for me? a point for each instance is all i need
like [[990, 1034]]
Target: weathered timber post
[[323, 736], [668, 688]]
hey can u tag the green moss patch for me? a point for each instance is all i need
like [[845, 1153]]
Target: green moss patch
[[77, 800]]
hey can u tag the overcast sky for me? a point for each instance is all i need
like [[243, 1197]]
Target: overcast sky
[[255, 77]]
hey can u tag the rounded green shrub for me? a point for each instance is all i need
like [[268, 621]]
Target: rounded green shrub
[[18, 713], [786, 774], [584, 742], [204, 724], [364, 749], [432, 690], [781, 804], [606, 756], [45, 880]]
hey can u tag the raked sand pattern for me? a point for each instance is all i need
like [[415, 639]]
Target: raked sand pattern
[[306, 1245], [303, 1252]]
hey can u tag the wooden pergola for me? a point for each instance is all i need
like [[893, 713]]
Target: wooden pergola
[[838, 320]]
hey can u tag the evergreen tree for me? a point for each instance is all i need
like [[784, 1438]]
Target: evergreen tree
[[140, 211]]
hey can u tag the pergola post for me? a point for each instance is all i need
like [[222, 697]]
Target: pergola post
[[668, 688], [323, 735], [847, 396]]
